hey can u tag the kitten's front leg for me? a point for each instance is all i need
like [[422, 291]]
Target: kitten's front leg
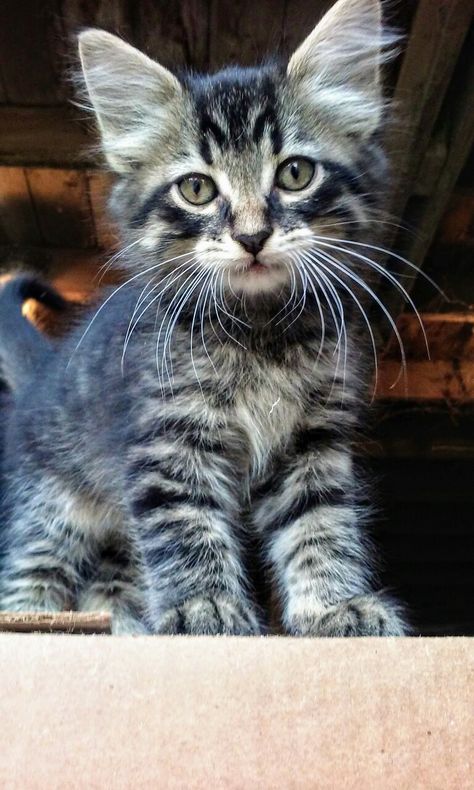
[[185, 512], [310, 514]]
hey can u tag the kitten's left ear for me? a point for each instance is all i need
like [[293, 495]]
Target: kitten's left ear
[[337, 67]]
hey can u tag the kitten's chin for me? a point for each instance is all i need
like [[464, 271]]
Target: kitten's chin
[[258, 278]]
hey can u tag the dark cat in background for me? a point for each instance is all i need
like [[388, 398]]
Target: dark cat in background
[[202, 415]]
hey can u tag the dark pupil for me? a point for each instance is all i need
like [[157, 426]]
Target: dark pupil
[[295, 170], [196, 186]]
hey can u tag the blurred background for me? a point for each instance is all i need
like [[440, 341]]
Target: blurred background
[[53, 222]]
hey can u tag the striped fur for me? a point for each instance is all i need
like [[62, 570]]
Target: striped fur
[[198, 424]]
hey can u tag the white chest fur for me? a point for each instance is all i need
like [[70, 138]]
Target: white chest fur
[[267, 407]]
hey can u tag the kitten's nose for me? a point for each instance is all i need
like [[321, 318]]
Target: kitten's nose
[[253, 243]]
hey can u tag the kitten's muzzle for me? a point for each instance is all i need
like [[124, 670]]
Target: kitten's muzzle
[[253, 243]]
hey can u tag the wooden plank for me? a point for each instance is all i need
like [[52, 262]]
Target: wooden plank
[[449, 335], [99, 183], [112, 16], [425, 381], [62, 206], [3, 91], [435, 40], [43, 136], [457, 224], [62, 622], [26, 46], [458, 135], [243, 31], [18, 223], [176, 34], [299, 19]]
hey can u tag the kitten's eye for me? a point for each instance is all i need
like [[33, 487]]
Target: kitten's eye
[[295, 174], [197, 189]]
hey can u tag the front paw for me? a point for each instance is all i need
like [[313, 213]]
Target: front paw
[[363, 615], [210, 614]]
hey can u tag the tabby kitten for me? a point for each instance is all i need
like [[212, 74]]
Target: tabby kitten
[[202, 416]]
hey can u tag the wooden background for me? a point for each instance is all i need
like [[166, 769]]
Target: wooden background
[[52, 220]]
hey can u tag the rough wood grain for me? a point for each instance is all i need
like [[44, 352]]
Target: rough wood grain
[[243, 31], [27, 42], [427, 381], [63, 622], [435, 40], [43, 136], [99, 184], [18, 223], [176, 33], [62, 206], [449, 335]]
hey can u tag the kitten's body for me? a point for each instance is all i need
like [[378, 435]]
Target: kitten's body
[[167, 436]]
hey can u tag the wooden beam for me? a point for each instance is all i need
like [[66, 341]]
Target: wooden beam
[[62, 622], [27, 45], [18, 223], [50, 136], [62, 205], [243, 31], [427, 381]]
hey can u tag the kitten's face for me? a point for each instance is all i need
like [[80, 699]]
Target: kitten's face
[[241, 173], [250, 181]]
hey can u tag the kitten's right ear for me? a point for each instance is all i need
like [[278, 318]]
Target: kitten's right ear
[[127, 90]]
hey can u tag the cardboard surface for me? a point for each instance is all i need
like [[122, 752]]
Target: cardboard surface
[[150, 712]]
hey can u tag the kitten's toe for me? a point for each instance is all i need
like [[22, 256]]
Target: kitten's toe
[[363, 615], [127, 625], [212, 615]]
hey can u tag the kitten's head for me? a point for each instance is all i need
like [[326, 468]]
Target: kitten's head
[[238, 174]]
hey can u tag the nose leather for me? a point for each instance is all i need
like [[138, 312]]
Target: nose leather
[[253, 242]]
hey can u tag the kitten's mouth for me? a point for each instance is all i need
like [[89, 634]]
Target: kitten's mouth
[[257, 267]]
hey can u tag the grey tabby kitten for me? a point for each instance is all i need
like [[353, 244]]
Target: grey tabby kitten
[[199, 422]]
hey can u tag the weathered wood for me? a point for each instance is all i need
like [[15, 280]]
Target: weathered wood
[[17, 216], [113, 16], [457, 224], [99, 184], [435, 40], [458, 136], [44, 136], [62, 206], [299, 18], [26, 46], [176, 34], [426, 381], [62, 622], [243, 32], [450, 336]]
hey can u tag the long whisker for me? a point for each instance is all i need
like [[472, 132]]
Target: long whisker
[[116, 291], [166, 284], [390, 254], [195, 278], [364, 315], [380, 269], [358, 280]]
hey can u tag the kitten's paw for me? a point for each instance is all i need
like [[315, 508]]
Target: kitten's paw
[[127, 625], [210, 614], [363, 615]]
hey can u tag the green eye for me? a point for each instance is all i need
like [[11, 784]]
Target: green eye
[[197, 189], [295, 174]]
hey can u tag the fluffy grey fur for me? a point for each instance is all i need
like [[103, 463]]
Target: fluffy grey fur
[[197, 426]]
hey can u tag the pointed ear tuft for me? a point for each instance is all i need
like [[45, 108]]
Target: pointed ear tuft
[[337, 67], [127, 91]]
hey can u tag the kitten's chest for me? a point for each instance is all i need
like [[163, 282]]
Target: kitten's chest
[[268, 403]]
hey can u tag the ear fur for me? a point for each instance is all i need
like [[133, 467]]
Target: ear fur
[[128, 92], [337, 67]]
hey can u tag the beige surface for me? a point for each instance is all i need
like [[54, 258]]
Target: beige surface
[[111, 712]]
